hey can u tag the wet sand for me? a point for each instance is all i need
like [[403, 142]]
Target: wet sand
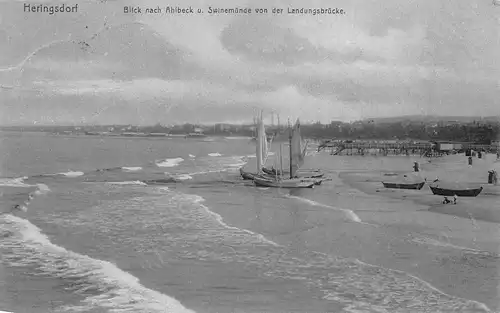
[[449, 169]]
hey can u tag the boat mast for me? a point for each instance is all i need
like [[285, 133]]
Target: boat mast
[[290, 143], [276, 165], [281, 160], [258, 152], [255, 127]]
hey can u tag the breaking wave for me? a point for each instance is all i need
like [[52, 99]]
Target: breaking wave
[[14, 182], [71, 174], [348, 213], [161, 181], [119, 290], [438, 243], [169, 162], [240, 162], [111, 169], [184, 177], [216, 154], [136, 182], [131, 169], [198, 200], [204, 172], [42, 189]]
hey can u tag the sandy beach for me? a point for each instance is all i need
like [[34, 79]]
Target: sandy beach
[[450, 170]]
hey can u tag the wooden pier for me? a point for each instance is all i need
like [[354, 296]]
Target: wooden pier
[[383, 148], [376, 148]]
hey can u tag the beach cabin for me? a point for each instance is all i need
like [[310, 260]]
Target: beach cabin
[[495, 144], [158, 134], [444, 146], [453, 145]]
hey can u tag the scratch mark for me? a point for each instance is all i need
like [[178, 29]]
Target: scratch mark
[[83, 43]]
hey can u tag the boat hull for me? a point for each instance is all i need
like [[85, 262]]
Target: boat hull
[[251, 176], [247, 175], [285, 183], [415, 186], [312, 174], [316, 181], [458, 192]]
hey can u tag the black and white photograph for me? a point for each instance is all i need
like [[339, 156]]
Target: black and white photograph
[[249, 156]]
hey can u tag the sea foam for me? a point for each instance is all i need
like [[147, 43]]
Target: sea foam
[[169, 162], [118, 290], [131, 169], [348, 213], [71, 174], [14, 182]]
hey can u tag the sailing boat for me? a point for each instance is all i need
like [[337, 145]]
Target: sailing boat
[[299, 151], [261, 152], [279, 181]]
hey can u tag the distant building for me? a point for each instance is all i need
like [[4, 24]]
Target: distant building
[[221, 127], [158, 134], [452, 145]]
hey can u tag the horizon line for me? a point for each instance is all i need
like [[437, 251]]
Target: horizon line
[[447, 118]]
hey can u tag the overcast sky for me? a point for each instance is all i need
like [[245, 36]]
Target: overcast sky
[[381, 58]]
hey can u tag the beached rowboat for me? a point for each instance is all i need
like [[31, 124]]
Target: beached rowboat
[[468, 192], [416, 186]]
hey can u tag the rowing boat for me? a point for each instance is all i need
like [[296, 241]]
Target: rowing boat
[[467, 192], [416, 186]]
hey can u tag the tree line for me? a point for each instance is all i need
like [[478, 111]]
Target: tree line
[[481, 133], [476, 132]]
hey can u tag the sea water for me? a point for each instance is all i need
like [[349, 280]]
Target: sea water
[[94, 237]]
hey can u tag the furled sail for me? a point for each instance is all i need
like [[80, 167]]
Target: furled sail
[[265, 143], [298, 149], [263, 140], [262, 151], [259, 146]]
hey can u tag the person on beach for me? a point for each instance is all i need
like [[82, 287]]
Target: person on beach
[[446, 200], [455, 199]]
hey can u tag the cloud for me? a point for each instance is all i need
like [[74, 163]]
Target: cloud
[[139, 89], [399, 57], [182, 100]]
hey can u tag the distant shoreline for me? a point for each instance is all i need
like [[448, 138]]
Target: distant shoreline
[[182, 136], [121, 135], [477, 130]]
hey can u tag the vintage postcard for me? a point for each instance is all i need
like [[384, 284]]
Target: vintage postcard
[[240, 156]]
